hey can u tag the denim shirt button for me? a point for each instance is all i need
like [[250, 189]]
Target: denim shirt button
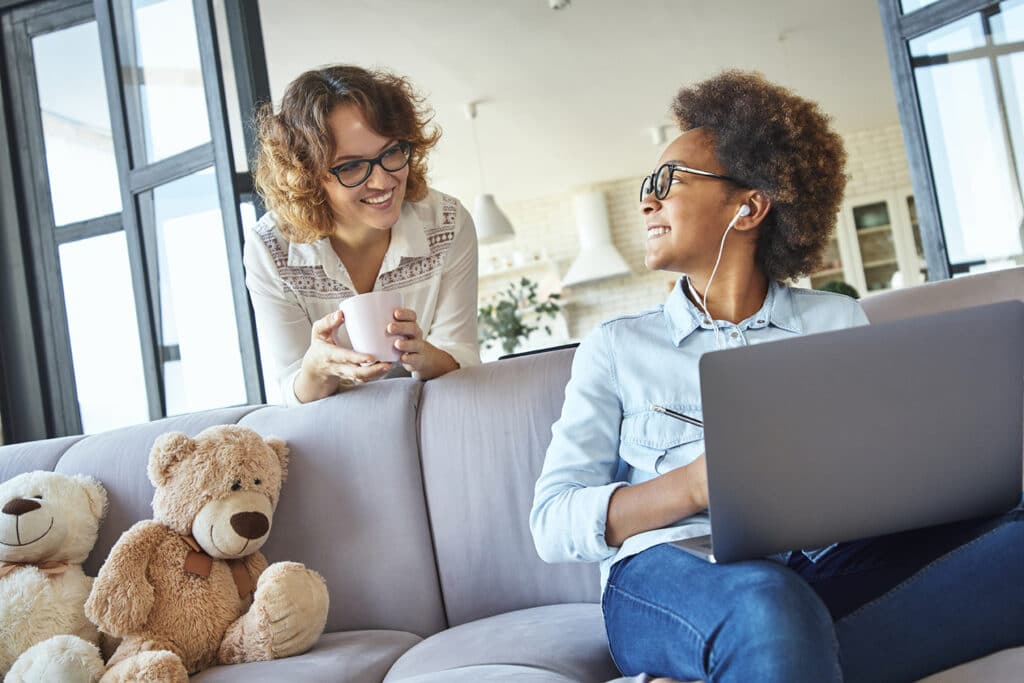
[[760, 322], [706, 321], [735, 334]]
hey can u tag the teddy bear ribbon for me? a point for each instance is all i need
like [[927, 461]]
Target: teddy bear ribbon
[[51, 568], [200, 563]]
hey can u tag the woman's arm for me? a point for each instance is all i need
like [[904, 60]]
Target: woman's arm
[[658, 502], [453, 330], [582, 468], [282, 326]]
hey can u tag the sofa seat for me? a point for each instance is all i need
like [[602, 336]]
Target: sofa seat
[[344, 657], [503, 673], [1005, 666], [551, 643]]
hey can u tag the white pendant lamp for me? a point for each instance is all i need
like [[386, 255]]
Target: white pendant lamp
[[492, 225], [598, 258]]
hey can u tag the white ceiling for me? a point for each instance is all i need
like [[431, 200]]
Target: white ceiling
[[571, 95]]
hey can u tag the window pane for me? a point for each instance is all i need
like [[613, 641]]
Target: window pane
[[909, 6], [164, 73], [965, 34], [76, 124], [104, 332], [1008, 25], [975, 176], [199, 334]]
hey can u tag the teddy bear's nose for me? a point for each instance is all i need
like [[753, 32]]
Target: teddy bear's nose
[[249, 524], [20, 506]]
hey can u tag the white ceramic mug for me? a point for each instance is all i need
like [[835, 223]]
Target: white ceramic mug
[[366, 321]]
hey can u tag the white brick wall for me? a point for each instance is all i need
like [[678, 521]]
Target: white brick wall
[[877, 162]]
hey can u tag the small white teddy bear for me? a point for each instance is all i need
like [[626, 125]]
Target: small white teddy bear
[[48, 524]]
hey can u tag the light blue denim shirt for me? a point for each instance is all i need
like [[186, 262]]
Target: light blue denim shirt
[[607, 435]]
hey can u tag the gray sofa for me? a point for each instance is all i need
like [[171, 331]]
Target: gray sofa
[[412, 500]]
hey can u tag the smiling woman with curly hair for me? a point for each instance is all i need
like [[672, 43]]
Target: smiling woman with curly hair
[[342, 168], [741, 202]]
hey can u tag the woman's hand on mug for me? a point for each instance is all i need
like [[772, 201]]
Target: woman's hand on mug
[[419, 356], [326, 366]]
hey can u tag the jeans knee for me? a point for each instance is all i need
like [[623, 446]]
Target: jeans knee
[[778, 609]]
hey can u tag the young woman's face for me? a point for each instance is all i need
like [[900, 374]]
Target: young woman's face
[[685, 228], [377, 202]]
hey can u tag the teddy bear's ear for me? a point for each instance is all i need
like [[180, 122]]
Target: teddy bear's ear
[[168, 450], [281, 448], [96, 494]]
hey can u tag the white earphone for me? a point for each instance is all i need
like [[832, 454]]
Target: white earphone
[[744, 210]]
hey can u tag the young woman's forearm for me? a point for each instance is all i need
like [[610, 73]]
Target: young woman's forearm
[[656, 503]]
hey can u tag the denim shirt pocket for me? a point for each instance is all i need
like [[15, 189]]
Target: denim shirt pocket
[[656, 443]]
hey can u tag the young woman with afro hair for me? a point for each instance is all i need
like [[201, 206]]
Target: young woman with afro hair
[[742, 202], [342, 168]]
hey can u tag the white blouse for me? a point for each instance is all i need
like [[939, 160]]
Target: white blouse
[[432, 260]]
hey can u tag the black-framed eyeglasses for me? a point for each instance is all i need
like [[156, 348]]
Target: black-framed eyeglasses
[[661, 180], [355, 172]]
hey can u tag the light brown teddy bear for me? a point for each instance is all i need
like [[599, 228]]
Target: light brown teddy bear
[[189, 588]]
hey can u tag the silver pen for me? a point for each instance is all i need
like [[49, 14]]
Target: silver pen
[[679, 416]]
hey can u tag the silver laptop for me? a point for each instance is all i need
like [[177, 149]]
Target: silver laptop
[[861, 432]]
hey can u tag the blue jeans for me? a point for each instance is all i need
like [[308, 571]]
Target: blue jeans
[[892, 608]]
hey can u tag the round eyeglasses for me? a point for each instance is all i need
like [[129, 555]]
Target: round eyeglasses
[[355, 172], [661, 180]]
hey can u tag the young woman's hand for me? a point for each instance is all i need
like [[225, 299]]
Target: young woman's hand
[[326, 367], [657, 502], [419, 357], [697, 482]]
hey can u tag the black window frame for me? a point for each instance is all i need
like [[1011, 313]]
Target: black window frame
[[36, 370], [899, 29]]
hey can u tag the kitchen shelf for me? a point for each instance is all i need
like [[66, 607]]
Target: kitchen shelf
[[826, 272], [874, 229], [513, 271]]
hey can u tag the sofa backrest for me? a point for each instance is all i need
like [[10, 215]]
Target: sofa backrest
[[118, 460], [483, 435], [945, 295], [352, 507]]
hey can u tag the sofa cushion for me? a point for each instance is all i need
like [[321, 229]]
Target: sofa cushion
[[19, 458], [118, 460], [945, 295], [567, 640], [483, 435], [1006, 666], [350, 657], [352, 507]]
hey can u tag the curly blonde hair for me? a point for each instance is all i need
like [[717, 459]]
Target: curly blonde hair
[[769, 138], [296, 145]]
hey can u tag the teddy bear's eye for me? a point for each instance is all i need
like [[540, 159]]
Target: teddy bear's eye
[[258, 482], [237, 485]]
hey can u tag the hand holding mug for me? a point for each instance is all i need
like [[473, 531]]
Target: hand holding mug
[[326, 366], [418, 356]]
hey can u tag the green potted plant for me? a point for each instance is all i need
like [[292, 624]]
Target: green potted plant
[[840, 287], [508, 317]]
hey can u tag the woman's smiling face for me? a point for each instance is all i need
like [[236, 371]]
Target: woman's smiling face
[[377, 202], [685, 228]]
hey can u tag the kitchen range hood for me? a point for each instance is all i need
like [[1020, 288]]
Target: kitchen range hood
[[598, 259]]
